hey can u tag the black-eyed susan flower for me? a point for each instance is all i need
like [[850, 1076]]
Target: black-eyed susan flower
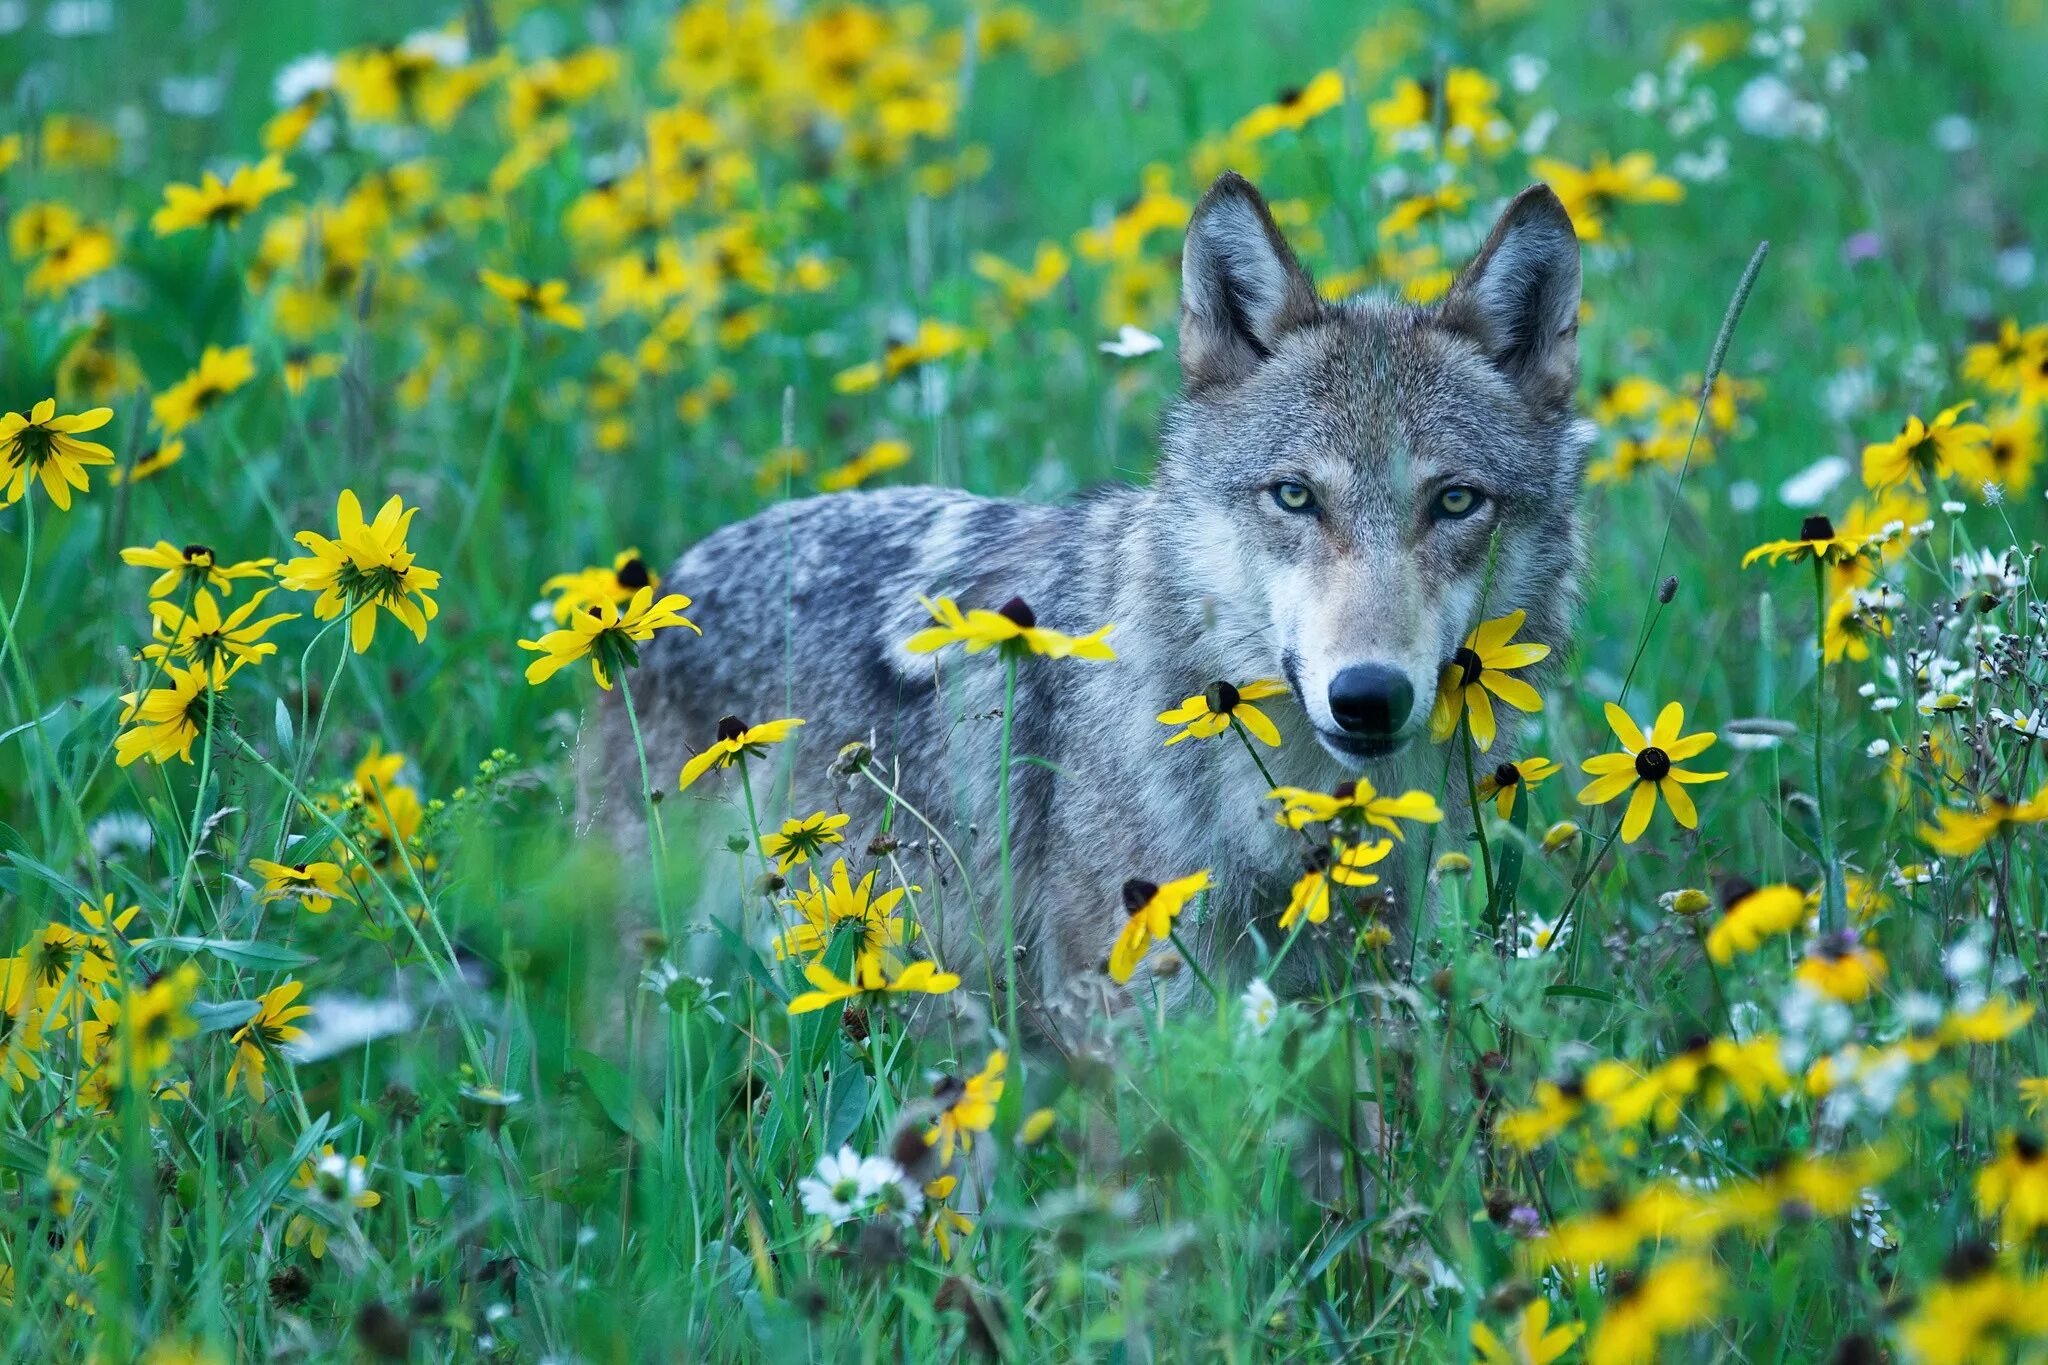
[[1925, 451], [1152, 908], [219, 373], [149, 463], [1716, 1071], [1555, 1105], [1021, 288], [2014, 1188], [205, 637], [44, 445], [871, 980], [153, 1020], [2033, 1090], [1766, 912], [547, 300], [1341, 864], [163, 722], [1999, 363], [627, 574], [1589, 195], [736, 740], [934, 340], [195, 566], [1648, 767], [269, 1028], [1360, 801], [1012, 627], [214, 203], [302, 366], [1817, 539], [840, 902], [1673, 1297], [1531, 1339], [943, 1222], [1508, 780], [608, 636], [367, 566], [1855, 621], [879, 458], [799, 841], [1209, 713], [966, 1107], [1480, 667], [313, 885], [1842, 966], [1292, 109], [331, 1185], [1959, 833], [1979, 1310]]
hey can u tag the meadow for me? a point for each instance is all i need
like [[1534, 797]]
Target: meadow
[[346, 350]]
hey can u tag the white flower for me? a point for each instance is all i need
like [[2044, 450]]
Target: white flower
[[338, 1179], [845, 1184], [1878, 748], [1954, 508], [1810, 485], [1260, 1007], [1130, 343], [341, 1023], [2028, 724], [679, 992], [1526, 71], [301, 77]]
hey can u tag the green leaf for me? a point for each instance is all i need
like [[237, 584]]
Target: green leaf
[[614, 1094], [262, 1192], [224, 1015], [243, 952], [287, 736], [1571, 992], [846, 1099]]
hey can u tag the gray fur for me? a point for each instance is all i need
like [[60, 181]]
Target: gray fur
[[1376, 404]]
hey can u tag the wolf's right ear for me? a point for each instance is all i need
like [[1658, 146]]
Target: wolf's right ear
[[1241, 288], [1519, 299]]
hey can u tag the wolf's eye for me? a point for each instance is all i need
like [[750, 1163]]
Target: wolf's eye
[[1293, 496], [1455, 504]]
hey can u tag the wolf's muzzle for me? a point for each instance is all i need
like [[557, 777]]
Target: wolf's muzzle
[[1371, 701]]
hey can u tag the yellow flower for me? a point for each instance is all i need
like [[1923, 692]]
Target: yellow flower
[[547, 300], [1763, 913], [968, 1107], [211, 203], [1208, 714], [1854, 619], [195, 566], [1675, 1296], [367, 566], [149, 463], [608, 637], [878, 458], [1818, 539], [1505, 781], [1842, 967], [164, 721], [313, 885], [800, 840], [736, 740], [1342, 865], [270, 1027], [204, 637], [1152, 909], [2034, 1090], [1022, 288], [870, 982], [1534, 1340], [45, 446], [1589, 195], [1976, 1312], [1993, 1021], [2001, 364], [303, 366], [1959, 833], [945, 1222], [218, 374], [934, 340], [1925, 451], [2013, 446], [1013, 626], [329, 1181], [1407, 119], [1292, 109], [1557, 1103], [1479, 667], [151, 1022], [1411, 213], [586, 587], [840, 901], [2015, 1187], [1648, 766], [1300, 807]]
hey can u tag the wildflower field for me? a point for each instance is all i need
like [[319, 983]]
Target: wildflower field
[[364, 370]]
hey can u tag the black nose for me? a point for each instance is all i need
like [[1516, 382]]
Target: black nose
[[1371, 699]]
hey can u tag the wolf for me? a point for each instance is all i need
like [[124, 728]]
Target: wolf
[[1338, 484]]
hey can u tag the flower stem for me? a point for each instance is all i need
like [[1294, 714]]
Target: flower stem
[[657, 843], [1830, 901], [1009, 905]]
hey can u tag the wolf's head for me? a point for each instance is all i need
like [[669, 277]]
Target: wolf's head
[[1340, 473]]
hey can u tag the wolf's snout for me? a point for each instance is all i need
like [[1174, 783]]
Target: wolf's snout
[[1371, 700]]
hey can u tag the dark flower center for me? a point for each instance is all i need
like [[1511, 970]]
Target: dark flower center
[[1222, 698], [1019, 612], [633, 574], [1653, 764], [1968, 1261], [195, 553], [1138, 893], [2027, 1147], [1289, 97], [1344, 791], [730, 728], [1816, 528], [1506, 775], [1468, 665]]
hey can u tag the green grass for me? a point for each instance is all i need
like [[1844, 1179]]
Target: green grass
[[564, 1169]]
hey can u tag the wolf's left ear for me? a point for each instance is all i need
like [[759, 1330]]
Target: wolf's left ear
[[1519, 299], [1241, 289]]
